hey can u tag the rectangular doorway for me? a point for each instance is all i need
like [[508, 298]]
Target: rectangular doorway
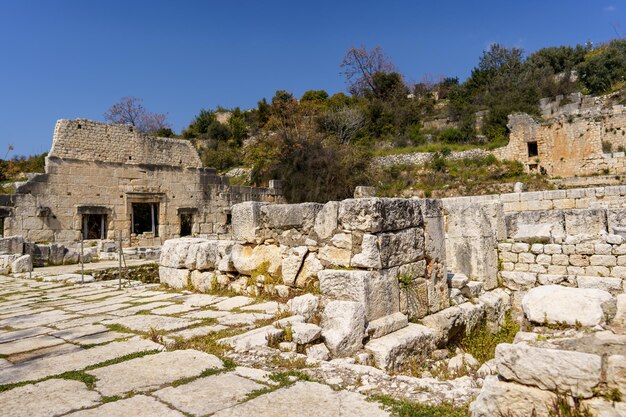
[[94, 226], [145, 218], [186, 222]]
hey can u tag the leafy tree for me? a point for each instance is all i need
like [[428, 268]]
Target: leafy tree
[[604, 67], [314, 95]]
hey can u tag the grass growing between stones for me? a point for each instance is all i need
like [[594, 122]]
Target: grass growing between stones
[[207, 343], [282, 380], [481, 342], [87, 379], [400, 408]]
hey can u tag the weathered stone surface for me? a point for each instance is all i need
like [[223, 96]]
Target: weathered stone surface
[[462, 364], [306, 399], [309, 270], [203, 281], [12, 244], [400, 248], [610, 285], [472, 289], [387, 324], [304, 333], [497, 303], [174, 252], [379, 214], [391, 351], [42, 399], [619, 321], [268, 307], [331, 256], [208, 395], [550, 369], [247, 259], [589, 221], [252, 339], [240, 319], [503, 398], [290, 216], [26, 345], [318, 352], [175, 278], [246, 220], [305, 305], [369, 257], [47, 366], [616, 372], [22, 264], [151, 371], [518, 280], [377, 293], [145, 322], [446, 324], [136, 406], [343, 327], [292, 263], [557, 304], [234, 302], [326, 220]]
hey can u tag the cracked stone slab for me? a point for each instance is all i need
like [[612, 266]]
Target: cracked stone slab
[[150, 372], [202, 300], [197, 331], [144, 322], [22, 334], [306, 399], [106, 309], [148, 306], [206, 314], [99, 338], [81, 321], [174, 309], [48, 398], [234, 302], [35, 320], [243, 319], [76, 332], [137, 406], [208, 395], [104, 303], [41, 368], [31, 343], [56, 350], [258, 375], [269, 307]]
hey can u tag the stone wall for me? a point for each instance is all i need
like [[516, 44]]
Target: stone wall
[[421, 158], [95, 168]]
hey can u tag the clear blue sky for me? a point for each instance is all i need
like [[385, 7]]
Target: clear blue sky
[[71, 59]]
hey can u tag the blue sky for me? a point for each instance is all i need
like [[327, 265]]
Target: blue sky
[[70, 59]]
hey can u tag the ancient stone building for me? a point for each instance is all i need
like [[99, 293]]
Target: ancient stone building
[[580, 135], [102, 179]]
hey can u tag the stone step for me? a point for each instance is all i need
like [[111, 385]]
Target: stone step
[[391, 351]]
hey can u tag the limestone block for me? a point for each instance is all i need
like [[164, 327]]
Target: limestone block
[[590, 221], [369, 257], [387, 324], [414, 298], [391, 352], [12, 244], [509, 257], [475, 257], [71, 257], [22, 264], [528, 258], [342, 241], [585, 248], [614, 239], [318, 352], [611, 285], [343, 327], [248, 259], [579, 260], [211, 254], [616, 219], [438, 298], [504, 398], [550, 369], [558, 304], [290, 216], [308, 272], [616, 373], [203, 281], [461, 363], [379, 214], [457, 281], [602, 248], [569, 249], [246, 220], [304, 305], [544, 260], [326, 220], [552, 249], [551, 279], [377, 292], [520, 247], [536, 248], [538, 269], [403, 247], [619, 250], [173, 252], [545, 225], [619, 321], [518, 280], [332, 256], [603, 260], [597, 271], [560, 259], [292, 263], [446, 324], [541, 232], [497, 303], [305, 333], [175, 278], [472, 289]]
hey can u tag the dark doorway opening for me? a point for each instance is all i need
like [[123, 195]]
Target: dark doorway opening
[[145, 218], [94, 226], [533, 149], [1, 226], [186, 222]]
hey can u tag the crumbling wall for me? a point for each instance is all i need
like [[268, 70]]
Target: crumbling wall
[[105, 169]]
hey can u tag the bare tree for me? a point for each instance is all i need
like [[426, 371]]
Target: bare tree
[[344, 122], [360, 65], [130, 111]]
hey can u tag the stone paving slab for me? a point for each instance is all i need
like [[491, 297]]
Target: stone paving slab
[[174, 309], [137, 406], [147, 306], [197, 331], [12, 335], [28, 344], [258, 375], [306, 399], [75, 332], [39, 319], [145, 322], [208, 395], [269, 307], [242, 319], [104, 303], [234, 302], [150, 372], [206, 314], [47, 352], [201, 300], [22, 311], [99, 338], [41, 368], [81, 321], [48, 398]]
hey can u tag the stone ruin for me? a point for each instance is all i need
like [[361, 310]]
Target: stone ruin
[[386, 281], [102, 181]]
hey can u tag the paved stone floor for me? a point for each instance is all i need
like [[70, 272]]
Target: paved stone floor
[[91, 350]]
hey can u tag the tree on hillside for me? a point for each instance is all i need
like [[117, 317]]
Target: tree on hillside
[[360, 67], [130, 111]]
